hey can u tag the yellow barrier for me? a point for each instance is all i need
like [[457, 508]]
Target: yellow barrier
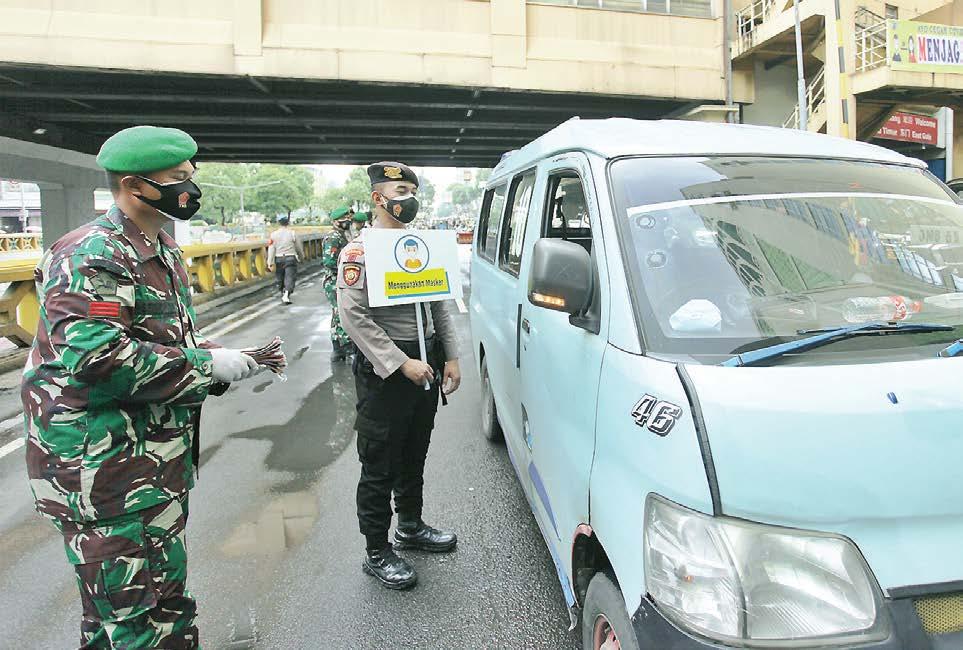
[[212, 267], [20, 241]]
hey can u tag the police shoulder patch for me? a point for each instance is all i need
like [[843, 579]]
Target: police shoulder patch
[[353, 252], [351, 274]]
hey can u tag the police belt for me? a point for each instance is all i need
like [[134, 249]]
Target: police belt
[[413, 350]]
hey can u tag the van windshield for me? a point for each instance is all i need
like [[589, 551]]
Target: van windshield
[[731, 254]]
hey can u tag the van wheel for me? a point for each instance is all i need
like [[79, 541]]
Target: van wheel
[[605, 625], [490, 426]]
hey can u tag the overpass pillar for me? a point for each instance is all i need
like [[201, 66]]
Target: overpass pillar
[[64, 208]]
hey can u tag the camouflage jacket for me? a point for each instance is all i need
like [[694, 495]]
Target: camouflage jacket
[[331, 247], [114, 382]]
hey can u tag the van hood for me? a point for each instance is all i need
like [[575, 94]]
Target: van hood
[[873, 452]]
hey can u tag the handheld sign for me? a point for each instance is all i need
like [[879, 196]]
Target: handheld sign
[[409, 266], [405, 267]]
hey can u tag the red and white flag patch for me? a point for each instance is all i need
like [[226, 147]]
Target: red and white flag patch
[[104, 309]]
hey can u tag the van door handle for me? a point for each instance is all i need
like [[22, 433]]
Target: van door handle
[[526, 326]]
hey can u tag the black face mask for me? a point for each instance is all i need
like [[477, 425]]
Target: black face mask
[[177, 200], [343, 225], [404, 208]]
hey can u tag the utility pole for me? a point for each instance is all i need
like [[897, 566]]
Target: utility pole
[[800, 74]]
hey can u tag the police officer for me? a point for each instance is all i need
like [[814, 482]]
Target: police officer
[[331, 246], [284, 253], [395, 412], [112, 392]]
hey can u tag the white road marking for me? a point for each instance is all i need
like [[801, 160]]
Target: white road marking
[[11, 447], [230, 327], [461, 305]]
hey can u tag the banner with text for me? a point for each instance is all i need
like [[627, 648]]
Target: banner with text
[[408, 266], [909, 127], [924, 47]]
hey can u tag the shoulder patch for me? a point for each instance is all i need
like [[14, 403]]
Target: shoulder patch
[[351, 276]]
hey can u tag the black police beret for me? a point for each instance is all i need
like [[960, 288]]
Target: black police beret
[[387, 171]]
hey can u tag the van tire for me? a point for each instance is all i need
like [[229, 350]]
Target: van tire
[[491, 429], [605, 610]]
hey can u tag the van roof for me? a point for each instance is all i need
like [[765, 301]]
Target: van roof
[[616, 137]]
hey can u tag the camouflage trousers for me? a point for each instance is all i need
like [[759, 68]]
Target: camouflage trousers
[[131, 571], [338, 336]]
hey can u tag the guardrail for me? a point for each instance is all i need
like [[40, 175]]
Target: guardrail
[[871, 40], [815, 98], [750, 18], [20, 241], [212, 267]]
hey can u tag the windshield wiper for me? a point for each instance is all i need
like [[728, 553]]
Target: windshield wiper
[[830, 335]]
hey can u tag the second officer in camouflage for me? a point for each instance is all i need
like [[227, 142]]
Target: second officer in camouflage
[[112, 392], [331, 246]]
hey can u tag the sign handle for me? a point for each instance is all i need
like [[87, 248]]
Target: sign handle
[[421, 338]]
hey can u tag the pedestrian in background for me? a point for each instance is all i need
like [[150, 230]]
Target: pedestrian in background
[[331, 247], [284, 254], [112, 393], [395, 412]]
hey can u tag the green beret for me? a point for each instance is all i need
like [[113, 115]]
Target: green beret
[[361, 217], [340, 212], [387, 171], [142, 149]]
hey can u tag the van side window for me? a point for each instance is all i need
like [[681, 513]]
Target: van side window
[[567, 215], [513, 232], [491, 214]]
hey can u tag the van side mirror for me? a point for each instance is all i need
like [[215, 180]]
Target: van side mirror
[[561, 277]]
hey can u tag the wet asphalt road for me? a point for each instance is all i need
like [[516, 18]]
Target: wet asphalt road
[[273, 543]]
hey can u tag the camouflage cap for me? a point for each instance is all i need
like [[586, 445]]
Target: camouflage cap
[[340, 212], [141, 149]]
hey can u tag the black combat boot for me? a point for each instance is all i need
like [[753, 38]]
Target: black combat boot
[[419, 535], [392, 571]]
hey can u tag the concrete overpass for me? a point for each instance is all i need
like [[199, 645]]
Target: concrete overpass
[[435, 82]]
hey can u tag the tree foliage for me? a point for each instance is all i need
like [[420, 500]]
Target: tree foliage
[[282, 189], [291, 188]]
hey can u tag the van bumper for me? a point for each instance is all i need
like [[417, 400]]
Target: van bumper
[[653, 630]]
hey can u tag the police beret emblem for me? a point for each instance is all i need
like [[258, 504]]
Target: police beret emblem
[[393, 173], [182, 199]]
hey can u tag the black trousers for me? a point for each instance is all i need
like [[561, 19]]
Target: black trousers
[[286, 272], [394, 422]]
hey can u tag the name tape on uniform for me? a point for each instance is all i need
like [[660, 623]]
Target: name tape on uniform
[[408, 266]]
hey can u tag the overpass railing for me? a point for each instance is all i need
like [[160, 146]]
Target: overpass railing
[[213, 268], [20, 241]]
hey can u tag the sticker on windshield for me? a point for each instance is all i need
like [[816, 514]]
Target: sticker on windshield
[[655, 415]]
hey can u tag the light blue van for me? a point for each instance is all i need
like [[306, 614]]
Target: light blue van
[[722, 361]]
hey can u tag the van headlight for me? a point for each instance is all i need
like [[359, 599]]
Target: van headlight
[[757, 585]]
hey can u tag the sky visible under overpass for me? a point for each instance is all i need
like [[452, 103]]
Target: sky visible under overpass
[[268, 119]]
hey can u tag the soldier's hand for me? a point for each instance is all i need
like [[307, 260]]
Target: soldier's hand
[[417, 371], [451, 379], [270, 268], [232, 365]]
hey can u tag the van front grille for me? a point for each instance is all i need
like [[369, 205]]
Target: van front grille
[[941, 614]]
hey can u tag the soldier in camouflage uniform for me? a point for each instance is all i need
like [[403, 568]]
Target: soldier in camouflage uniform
[[112, 392], [331, 245]]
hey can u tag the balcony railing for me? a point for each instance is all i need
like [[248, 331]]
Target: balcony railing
[[815, 98], [870, 40], [697, 8], [750, 18]]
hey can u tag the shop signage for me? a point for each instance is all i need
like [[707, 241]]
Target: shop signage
[[908, 127]]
